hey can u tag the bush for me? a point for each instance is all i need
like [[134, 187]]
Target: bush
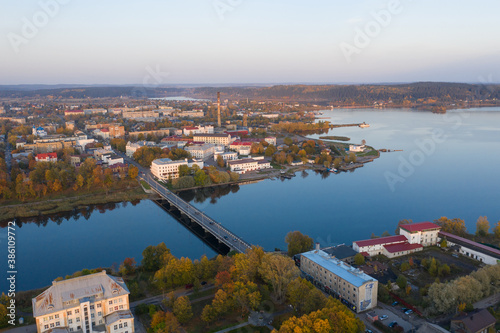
[[183, 182]]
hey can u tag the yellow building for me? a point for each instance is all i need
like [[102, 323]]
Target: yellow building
[[86, 304]]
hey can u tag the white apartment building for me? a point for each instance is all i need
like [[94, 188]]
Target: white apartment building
[[165, 169], [203, 151], [227, 156], [425, 233], [354, 288], [191, 114], [218, 139], [86, 304], [188, 131], [248, 164]]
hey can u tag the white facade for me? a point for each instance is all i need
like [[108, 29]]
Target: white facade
[[203, 151], [188, 131], [271, 140], [84, 304], [39, 131], [228, 156], [165, 169], [376, 246], [425, 233], [112, 159], [471, 249], [248, 164]]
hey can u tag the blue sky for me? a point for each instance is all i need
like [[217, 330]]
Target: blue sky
[[243, 41]]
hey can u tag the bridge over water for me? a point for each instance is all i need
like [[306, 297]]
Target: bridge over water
[[210, 226]]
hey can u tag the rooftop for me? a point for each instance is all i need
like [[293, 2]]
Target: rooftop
[[354, 276], [98, 285], [212, 135], [401, 247], [341, 251], [471, 244], [477, 321], [422, 226], [381, 240], [166, 161], [118, 315]]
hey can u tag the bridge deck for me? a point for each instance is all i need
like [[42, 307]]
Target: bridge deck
[[215, 228]]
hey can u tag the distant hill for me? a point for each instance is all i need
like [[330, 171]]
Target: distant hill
[[356, 94]]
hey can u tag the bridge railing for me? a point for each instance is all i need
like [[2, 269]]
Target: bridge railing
[[199, 216]]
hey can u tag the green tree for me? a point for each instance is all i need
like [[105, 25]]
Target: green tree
[[182, 309], [270, 150], [183, 182], [127, 267], [278, 271], [359, 259], [152, 256], [298, 243], [405, 266], [444, 243], [288, 141], [304, 297], [482, 226], [401, 282], [496, 230], [184, 170]]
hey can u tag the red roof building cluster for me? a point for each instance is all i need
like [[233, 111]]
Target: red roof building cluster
[[381, 241], [402, 247], [47, 157]]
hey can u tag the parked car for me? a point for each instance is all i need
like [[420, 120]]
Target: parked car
[[454, 255], [203, 283], [368, 331], [395, 303], [404, 309], [409, 311], [393, 324], [383, 317]]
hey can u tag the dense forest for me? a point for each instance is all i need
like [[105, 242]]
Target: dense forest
[[359, 94]]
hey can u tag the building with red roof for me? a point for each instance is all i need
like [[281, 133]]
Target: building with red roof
[[425, 233], [474, 250], [401, 249], [48, 157], [375, 246]]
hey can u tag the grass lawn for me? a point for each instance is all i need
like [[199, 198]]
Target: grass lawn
[[145, 185]]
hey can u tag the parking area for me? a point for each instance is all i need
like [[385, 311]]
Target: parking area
[[395, 314]]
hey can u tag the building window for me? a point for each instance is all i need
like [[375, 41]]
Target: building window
[[115, 301], [121, 326], [52, 325], [70, 321], [52, 317], [91, 315], [99, 313], [125, 324], [110, 302], [45, 319], [91, 307], [46, 327], [69, 313], [71, 329], [116, 327], [56, 316], [98, 305], [77, 310], [121, 307], [58, 323], [100, 321], [77, 319]]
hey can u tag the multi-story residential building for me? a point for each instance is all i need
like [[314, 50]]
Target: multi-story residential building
[[191, 114], [248, 164], [353, 287], [86, 304], [202, 151], [95, 111], [47, 157], [218, 139], [69, 113], [112, 159], [166, 169], [160, 132], [425, 233], [140, 114], [188, 131], [243, 148]]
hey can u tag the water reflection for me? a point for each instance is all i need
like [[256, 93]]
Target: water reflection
[[212, 193]]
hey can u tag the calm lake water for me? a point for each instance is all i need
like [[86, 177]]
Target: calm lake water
[[448, 167]]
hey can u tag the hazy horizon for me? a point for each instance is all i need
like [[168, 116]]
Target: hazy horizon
[[217, 42]]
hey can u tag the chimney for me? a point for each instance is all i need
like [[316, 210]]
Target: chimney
[[218, 109], [317, 247]]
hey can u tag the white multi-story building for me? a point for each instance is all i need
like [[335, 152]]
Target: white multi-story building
[[227, 156], [86, 304], [112, 159], [218, 139], [375, 246], [353, 287], [203, 151], [165, 169], [188, 131], [248, 164], [95, 111], [425, 233]]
